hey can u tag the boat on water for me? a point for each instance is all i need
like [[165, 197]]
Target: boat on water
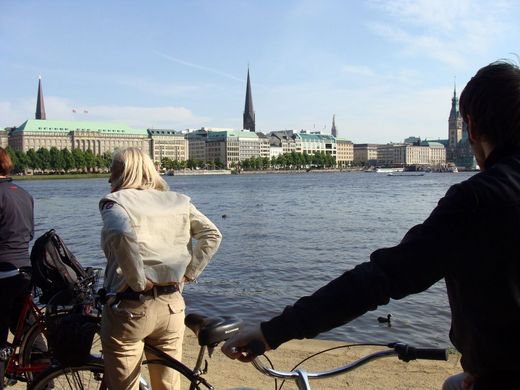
[[389, 170], [406, 173]]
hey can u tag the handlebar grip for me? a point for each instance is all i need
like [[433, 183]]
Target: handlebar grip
[[407, 353], [432, 353]]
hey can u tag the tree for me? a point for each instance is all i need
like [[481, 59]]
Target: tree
[[32, 159], [90, 159], [79, 159], [68, 160], [21, 161], [44, 159], [57, 162], [167, 163], [107, 160]]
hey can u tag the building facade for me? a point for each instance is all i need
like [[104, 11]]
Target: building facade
[[398, 155], [459, 149], [231, 146], [365, 153], [4, 139], [283, 139], [344, 152], [315, 143], [98, 137], [168, 144]]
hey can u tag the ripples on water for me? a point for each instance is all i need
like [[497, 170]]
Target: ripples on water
[[284, 237]]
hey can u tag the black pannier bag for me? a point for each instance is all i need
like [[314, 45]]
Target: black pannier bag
[[71, 337], [55, 269]]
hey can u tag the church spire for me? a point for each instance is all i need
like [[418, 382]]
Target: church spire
[[249, 113], [334, 131], [454, 122], [40, 107], [454, 103]]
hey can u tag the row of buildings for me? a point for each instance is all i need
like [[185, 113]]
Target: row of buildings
[[228, 146]]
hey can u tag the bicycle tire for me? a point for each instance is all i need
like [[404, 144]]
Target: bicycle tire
[[33, 347], [88, 376]]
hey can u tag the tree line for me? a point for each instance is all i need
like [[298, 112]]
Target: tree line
[[292, 160], [56, 160]]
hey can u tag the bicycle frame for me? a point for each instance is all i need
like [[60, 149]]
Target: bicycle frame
[[193, 375], [15, 368]]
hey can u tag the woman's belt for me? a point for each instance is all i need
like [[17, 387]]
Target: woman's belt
[[154, 292]]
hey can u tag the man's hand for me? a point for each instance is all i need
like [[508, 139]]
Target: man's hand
[[244, 345]]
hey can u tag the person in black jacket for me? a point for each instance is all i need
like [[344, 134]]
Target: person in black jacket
[[470, 239], [16, 231]]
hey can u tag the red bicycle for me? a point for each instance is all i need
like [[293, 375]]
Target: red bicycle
[[28, 353]]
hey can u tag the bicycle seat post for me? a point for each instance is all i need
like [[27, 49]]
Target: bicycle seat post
[[200, 360]]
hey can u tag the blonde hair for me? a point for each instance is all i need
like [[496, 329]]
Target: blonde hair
[[137, 171]]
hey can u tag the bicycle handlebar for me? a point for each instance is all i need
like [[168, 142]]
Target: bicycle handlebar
[[407, 353], [403, 352]]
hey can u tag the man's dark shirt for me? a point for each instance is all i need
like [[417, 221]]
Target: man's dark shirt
[[16, 224], [472, 239]]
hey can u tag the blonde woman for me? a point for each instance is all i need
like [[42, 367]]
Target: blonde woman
[[147, 239]]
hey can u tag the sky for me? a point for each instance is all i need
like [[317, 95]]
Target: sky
[[386, 69]]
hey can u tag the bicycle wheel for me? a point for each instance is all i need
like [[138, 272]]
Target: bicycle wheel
[[86, 377], [34, 349]]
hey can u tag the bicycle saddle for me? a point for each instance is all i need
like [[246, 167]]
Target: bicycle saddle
[[211, 331]]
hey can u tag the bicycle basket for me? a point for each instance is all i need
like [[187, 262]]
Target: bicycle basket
[[71, 336]]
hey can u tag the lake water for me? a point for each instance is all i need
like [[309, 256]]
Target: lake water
[[284, 237]]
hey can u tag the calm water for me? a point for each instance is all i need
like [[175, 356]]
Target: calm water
[[284, 236]]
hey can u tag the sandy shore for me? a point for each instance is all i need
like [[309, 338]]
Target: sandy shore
[[388, 373]]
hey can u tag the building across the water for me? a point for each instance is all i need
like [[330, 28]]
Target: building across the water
[[170, 144], [98, 137], [459, 149]]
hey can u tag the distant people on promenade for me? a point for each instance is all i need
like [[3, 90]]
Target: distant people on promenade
[[470, 240], [16, 231], [147, 239]]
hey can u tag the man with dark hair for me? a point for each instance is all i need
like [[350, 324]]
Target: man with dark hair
[[470, 240]]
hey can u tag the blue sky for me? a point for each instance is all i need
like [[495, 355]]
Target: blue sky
[[385, 68]]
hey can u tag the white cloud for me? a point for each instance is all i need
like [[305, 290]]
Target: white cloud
[[15, 113], [357, 70], [444, 30]]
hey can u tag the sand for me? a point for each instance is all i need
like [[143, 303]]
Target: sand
[[387, 373]]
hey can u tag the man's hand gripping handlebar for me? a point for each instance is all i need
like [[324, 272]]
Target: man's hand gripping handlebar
[[246, 345]]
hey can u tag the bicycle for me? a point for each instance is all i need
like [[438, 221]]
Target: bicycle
[[28, 353], [210, 332]]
